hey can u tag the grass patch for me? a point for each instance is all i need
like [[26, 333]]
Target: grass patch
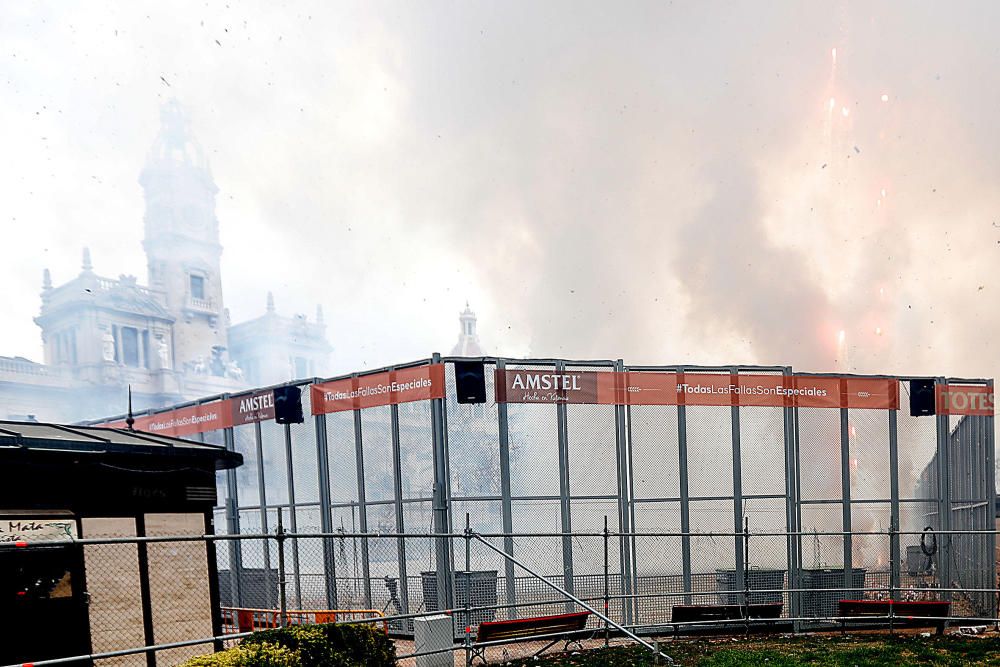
[[825, 650]]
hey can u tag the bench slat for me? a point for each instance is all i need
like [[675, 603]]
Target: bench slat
[[526, 627]]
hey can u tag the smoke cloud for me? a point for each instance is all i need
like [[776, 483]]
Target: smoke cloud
[[667, 184]]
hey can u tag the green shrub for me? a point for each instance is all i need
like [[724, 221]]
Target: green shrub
[[263, 654], [326, 645], [332, 645]]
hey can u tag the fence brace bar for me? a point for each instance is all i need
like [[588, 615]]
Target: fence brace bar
[[575, 599]]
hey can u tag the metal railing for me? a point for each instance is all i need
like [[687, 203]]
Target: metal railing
[[182, 610], [240, 619]]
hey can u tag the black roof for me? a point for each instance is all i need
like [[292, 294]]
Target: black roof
[[39, 437]]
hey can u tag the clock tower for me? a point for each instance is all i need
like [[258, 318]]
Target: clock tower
[[182, 241]]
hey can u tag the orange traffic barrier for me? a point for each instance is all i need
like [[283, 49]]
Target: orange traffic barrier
[[242, 619]]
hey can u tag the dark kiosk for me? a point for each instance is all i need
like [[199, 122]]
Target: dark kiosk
[[62, 484]]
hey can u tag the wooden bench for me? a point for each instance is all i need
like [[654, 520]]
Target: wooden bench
[[686, 617], [912, 613], [559, 627]]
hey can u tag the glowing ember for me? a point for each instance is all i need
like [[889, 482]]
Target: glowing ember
[[845, 111], [885, 98], [878, 331], [833, 103]]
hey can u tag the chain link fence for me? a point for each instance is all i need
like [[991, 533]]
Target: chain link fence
[[840, 502], [153, 591]]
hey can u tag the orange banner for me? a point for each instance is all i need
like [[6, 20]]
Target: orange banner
[[964, 400], [549, 386], [252, 408], [248, 409], [421, 383], [873, 393], [694, 389], [184, 421]]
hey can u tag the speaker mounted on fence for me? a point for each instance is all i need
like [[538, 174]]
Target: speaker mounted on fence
[[470, 382], [922, 398]]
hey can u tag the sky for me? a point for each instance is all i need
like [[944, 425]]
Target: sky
[[804, 184]]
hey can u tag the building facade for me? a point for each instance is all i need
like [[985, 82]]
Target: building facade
[[169, 340]]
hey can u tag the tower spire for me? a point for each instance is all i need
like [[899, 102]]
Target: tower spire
[[87, 266], [129, 420], [468, 340]]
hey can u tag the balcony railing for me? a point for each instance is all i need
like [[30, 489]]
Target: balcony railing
[[201, 305]]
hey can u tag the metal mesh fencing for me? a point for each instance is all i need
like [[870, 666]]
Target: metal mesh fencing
[[840, 502], [157, 590]]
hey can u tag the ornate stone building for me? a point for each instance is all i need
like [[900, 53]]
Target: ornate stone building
[[170, 340]]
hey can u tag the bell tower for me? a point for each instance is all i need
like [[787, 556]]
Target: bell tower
[[182, 240]]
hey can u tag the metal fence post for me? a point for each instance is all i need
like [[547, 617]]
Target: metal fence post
[[232, 503], [734, 413], [326, 512], [607, 593], [623, 445], [506, 510], [746, 573], [631, 575], [793, 518], [564, 493], [292, 518], [944, 499], [895, 555], [397, 479], [682, 464], [262, 494], [282, 583], [214, 594], [145, 589], [441, 508], [845, 491], [359, 463], [467, 621], [991, 497]]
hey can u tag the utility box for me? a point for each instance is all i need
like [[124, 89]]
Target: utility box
[[769, 582], [479, 588], [824, 588], [917, 562], [433, 633]]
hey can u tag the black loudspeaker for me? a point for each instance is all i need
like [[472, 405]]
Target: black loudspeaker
[[288, 405], [922, 399], [470, 381]]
